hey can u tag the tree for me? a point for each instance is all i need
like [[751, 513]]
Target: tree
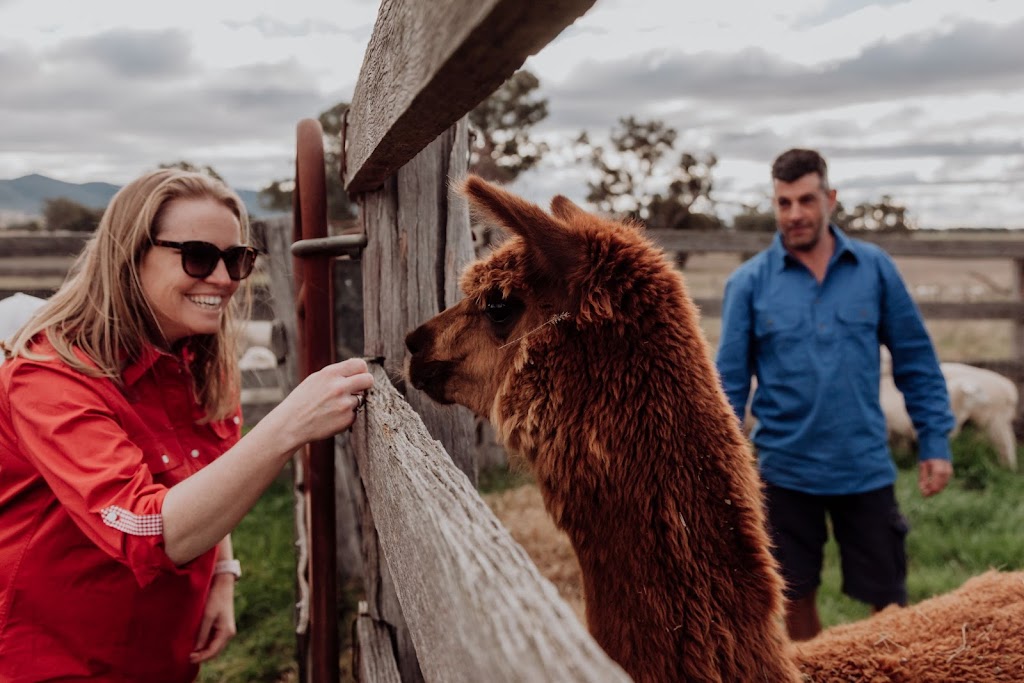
[[885, 215], [634, 179], [62, 213], [192, 168], [501, 147], [277, 196], [754, 218]]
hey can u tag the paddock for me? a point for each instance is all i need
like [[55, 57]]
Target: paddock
[[448, 594]]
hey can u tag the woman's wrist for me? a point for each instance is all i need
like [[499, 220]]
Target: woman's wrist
[[231, 567]]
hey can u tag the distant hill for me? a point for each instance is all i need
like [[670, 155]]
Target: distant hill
[[27, 194]]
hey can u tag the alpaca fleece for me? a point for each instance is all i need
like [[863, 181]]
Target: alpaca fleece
[[604, 384], [970, 634], [578, 340]]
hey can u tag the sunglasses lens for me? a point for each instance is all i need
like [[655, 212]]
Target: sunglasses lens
[[239, 262], [199, 259]]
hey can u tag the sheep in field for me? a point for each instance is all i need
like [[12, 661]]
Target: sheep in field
[[982, 397], [578, 341], [15, 311]]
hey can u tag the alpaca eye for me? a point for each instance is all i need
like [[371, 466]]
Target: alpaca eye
[[503, 312], [499, 312]]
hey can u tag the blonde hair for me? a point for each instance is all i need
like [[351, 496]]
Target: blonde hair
[[100, 310]]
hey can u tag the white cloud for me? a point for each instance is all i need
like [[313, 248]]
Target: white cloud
[[922, 99]]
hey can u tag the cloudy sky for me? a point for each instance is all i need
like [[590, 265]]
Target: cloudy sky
[[919, 99]]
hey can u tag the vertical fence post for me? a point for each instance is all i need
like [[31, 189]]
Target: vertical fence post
[[316, 337], [1017, 336], [1018, 324]]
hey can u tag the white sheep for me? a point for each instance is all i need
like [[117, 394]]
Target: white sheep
[[982, 397], [15, 311], [257, 358]]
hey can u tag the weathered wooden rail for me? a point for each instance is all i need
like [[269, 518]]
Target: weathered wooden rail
[[994, 245], [449, 596], [42, 260], [427, 65], [476, 606]]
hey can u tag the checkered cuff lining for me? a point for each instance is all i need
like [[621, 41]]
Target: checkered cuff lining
[[131, 523]]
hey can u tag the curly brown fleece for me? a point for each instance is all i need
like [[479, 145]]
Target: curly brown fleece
[[578, 340], [600, 378]]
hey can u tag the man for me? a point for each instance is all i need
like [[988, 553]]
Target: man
[[806, 317]]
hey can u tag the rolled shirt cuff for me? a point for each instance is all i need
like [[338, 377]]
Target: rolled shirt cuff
[[934, 447]]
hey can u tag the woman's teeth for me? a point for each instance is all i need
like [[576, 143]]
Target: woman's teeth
[[211, 302]]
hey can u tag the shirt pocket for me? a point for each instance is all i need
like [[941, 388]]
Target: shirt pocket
[[857, 315], [226, 429], [161, 460], [858, 326], [781, 334], [771, 325]]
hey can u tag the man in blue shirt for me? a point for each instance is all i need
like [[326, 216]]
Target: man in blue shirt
[[806, 318]]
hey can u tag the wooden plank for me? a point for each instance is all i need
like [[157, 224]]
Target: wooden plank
[[374, 659], [379, 588], [413, 255], [428, 63], [476, 605], [1018, 292], [348, 342], [57, 243], [36, 266], [54, 247], [711, 307], [417, 248], [933, 243]]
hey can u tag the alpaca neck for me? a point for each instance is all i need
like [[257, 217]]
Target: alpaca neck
[[671, 603]]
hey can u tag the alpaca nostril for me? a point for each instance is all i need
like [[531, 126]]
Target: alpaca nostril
[[416, 340]]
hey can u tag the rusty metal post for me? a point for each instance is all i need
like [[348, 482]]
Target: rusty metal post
[[316, 341]]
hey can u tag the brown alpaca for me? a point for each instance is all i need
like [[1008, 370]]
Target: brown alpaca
[[577, 339]]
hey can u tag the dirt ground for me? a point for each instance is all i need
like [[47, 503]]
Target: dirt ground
[[522, 512]]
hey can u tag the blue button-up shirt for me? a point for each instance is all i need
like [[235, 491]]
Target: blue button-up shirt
[[814, 349]]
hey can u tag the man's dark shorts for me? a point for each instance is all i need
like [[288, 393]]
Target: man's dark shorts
[[868, 528]]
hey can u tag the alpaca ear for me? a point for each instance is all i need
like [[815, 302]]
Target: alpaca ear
[[556, 249], [564, 208]]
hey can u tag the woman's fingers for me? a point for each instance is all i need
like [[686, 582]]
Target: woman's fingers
[[352, 366], [359, 383], [326, 402]]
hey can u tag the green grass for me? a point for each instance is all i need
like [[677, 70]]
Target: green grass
[[972, 526], [502, 478], [264, 649]]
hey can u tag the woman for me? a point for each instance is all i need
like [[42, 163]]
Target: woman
[[122, 472]]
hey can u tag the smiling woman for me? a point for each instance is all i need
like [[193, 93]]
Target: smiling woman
[[122, 466], [189, 292]]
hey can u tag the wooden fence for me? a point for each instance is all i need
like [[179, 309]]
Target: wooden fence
[[449, 596], [994, 245]]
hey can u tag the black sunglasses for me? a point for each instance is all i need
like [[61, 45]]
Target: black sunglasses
[[199, 259]]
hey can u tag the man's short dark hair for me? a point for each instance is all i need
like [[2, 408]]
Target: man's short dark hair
[[794, 164]]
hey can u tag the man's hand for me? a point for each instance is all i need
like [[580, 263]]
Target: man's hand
[[933, 475]]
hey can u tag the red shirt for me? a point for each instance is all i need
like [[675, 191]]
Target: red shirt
[[86, 589]]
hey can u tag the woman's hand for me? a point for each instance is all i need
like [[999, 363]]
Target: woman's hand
[[205, 507], [325, 403], [218, 625]]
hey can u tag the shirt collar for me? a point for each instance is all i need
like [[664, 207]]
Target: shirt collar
[[844, 248], [149, 356]]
